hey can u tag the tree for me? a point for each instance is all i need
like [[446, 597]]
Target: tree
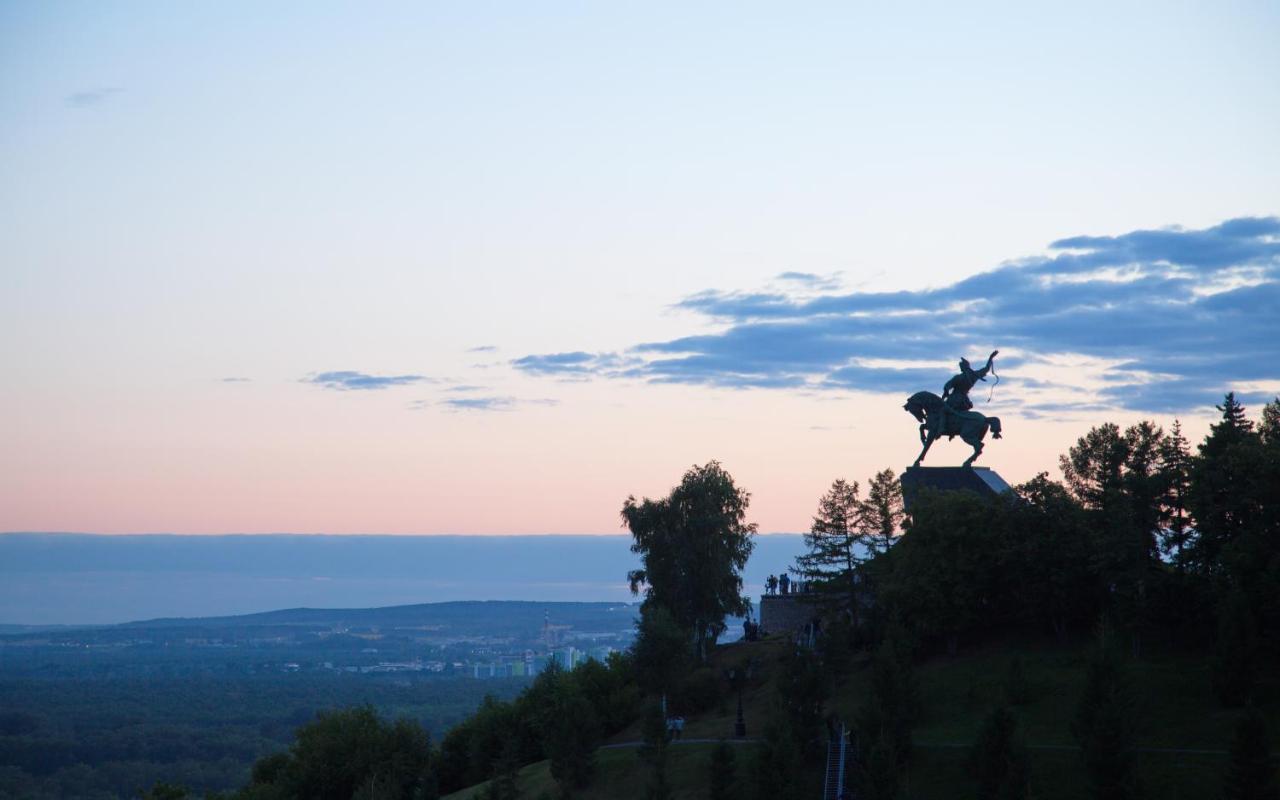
[[1251, 774], [723, 769], [653, 752], [343, 753], [778, 761], [1224, 495], [1049, 557], [1175, 464], [165, 791], [571, 734], [506, 770], [889, 711], [878, 769], [802, 692], [942, 576], [1235, 658], [1116, 476], [835, 543], [997, 761], [693, 546], [1103, 724], [882, 512], [660, 652]]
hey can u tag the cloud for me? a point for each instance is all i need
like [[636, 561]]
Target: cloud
[[346, 380], [493, 403], [1160, 320], [86, 98], [480, 403], [236, 380], [484, 348], [576, 364], [810, 280]]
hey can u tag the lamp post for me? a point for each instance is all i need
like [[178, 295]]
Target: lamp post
[[737, 679]]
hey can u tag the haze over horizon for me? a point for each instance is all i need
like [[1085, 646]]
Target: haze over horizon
[[436, 269], [48, 579]]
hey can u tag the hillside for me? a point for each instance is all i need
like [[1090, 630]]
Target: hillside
[[1182, 734]]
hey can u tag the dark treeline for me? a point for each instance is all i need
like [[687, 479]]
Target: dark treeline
[[1163, 542], [1143, 543]]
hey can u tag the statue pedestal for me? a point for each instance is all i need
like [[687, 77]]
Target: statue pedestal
[[982, 481]]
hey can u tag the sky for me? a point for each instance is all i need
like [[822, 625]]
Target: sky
[[485, 268]]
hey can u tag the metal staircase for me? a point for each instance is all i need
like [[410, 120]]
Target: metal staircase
[[838, 763]]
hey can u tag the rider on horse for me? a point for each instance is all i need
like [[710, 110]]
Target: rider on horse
[[955, 393]]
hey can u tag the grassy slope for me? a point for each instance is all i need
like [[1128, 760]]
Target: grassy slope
[[1175, 710]]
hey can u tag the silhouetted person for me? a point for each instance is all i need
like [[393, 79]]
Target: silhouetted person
[[784, 582]]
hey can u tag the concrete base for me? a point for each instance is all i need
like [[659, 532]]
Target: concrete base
[[787, 612], [982, 481]]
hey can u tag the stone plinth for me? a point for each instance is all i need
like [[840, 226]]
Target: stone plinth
[[786, 612], [982, 481]]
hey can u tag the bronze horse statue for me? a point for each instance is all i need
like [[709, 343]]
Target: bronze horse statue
[[937, 419]]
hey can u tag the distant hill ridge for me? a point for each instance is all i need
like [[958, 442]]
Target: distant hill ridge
[[446, 613]]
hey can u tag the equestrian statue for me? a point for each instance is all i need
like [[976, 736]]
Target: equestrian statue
[[952, 414]]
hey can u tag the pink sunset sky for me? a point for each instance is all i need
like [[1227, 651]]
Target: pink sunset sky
[[453, 270]]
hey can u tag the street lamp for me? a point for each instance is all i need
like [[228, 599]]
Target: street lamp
[[737, 679]]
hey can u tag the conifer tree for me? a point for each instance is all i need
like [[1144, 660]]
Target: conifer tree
[[889, 711], [506, 768], [997, 761], [1251, 774], [1117, 477], [1175, 464], [778, 761], [723, 767], [835, 542], [878, 770], [1103, 725], [1016, 690], [1235, 659], [1269, 427], [882, 512], [1225, 497]]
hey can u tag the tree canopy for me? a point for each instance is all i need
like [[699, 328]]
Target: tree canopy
[[693, 545]]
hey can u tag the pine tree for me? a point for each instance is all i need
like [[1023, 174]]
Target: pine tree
[[506, 768], [1224, 497], [1269, 427], [1235, 661], [1103, 724], [1251, 774], [778, 761], [882, 512], [723, 767], [835, 542], [889, 711], [997, 761], [1175, 464], [1016, 689]]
